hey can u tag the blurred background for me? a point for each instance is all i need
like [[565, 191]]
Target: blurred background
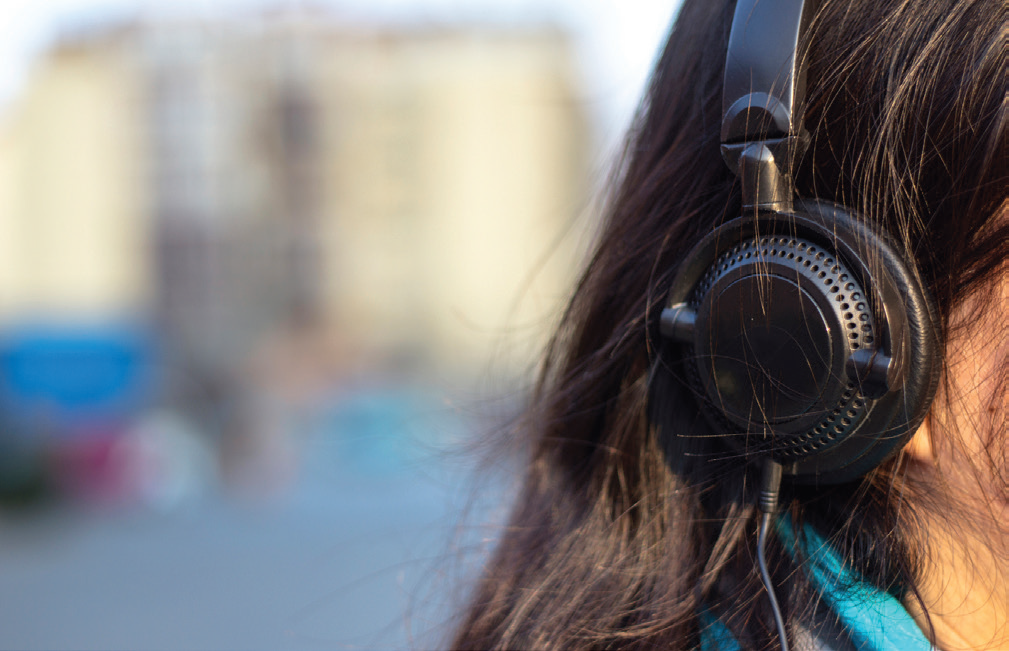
[[268, 270]]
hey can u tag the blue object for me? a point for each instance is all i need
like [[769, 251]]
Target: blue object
[[386, 430], [63, 375], [715, 635]]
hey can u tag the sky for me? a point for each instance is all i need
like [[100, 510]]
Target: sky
[[616, 41]]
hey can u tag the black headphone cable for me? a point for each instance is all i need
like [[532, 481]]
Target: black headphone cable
[[770, 483]]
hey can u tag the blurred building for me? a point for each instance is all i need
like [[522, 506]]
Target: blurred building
[[73, 192], [454, 160], [293, 197]]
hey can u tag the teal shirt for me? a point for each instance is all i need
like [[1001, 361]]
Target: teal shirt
[[875, 619]]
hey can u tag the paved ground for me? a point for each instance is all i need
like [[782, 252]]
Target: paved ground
[[349, 559]]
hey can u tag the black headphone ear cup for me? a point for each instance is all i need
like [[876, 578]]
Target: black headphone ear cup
[[806, 338]]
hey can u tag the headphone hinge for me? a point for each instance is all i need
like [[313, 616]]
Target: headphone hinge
[[763, 169]]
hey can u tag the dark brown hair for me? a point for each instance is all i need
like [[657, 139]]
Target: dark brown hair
[[623, 531]]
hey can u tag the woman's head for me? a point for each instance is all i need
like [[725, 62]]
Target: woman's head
[[624, 529]]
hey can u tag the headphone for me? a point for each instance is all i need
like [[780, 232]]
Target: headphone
[[805, 337]]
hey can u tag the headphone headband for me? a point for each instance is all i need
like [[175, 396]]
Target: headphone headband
[[762, 94], [764, 84]]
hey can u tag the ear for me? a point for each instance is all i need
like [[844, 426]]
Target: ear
[[919, 448]]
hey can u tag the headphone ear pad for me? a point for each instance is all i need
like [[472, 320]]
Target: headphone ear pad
[[915, 330]]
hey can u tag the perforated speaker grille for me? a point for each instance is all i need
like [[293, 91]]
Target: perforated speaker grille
[[814, 267]]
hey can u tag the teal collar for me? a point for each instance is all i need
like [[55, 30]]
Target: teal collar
[[875, 619]]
